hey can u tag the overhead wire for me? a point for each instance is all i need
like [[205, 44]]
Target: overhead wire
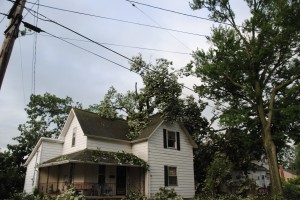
[[99, 44], [22, 73], [127, 46], [34, 52], [159, 25], [176, 12], [118, 20]]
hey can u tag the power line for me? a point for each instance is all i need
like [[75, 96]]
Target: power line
[[118, 20], [159, 25], [89, 39], [121, 45], [176, 12], [22, 73], [99, 44], [34, 51]]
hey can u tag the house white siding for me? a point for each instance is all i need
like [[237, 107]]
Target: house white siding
[[182, 159], [47, 150], [141, 150], [32, 172], [50, 150], [80, 138], [108, 145]]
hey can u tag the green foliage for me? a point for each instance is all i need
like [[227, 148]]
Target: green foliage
[[291, 189], [296, 162], [46, 116], [107, 107], [121, 157], [252, 71], [124, 157], [218, 174], [25, 196], [70, 194], [233, 197], [166, 194], [11, 176], [134, 196]]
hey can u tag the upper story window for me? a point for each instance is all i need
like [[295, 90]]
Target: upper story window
[[74, 136], [171, 139]]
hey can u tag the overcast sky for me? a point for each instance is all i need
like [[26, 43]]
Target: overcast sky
[[64, 70]]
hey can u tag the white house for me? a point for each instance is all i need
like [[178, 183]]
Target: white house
[[95, 156]]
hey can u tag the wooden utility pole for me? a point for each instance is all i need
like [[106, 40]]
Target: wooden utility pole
[[11, 33]]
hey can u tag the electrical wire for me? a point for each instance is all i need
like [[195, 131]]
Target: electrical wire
[[118, 20], [34, 51], [99, 44], [176, 12], [95, 42], [33, 4], [159, 25], [91, 40], [126, 46], [22, 73]]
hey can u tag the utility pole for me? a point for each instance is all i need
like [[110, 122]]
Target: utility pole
[[11, 33]]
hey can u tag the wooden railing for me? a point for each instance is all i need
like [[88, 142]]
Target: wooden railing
[[88, 189]]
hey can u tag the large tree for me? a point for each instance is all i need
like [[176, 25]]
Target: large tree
[[46, 116], [251, 68]]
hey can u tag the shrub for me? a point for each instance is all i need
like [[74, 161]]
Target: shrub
[[70, 194], [135, 196], [166, 194], [291, 189]]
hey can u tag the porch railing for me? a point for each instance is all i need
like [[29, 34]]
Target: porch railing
[[89, 189]]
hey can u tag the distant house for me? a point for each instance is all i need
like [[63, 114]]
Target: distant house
[[258, 174], [94, 155], [287, 174]]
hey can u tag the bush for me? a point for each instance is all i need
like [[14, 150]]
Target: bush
[[291, 189], [135, 196], [166, 194], [233, 197], [70, 194]]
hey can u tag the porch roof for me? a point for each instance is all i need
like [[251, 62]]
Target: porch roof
[[97, 157]]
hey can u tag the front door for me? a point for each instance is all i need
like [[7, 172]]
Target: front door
[[121, 180]]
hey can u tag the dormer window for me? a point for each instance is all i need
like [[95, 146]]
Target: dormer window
[[74, 136], [171, 139]]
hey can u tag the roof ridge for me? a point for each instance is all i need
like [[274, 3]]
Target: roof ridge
[[93, 113]]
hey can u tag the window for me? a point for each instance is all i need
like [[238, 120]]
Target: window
[[171, 139], [74, 136], [170, 176]]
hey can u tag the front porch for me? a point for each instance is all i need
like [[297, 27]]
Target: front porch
[[95, 180]]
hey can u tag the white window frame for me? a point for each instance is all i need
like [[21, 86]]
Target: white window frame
[[73, 141], [176, 175]]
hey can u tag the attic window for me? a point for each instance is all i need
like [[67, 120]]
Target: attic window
[[171, 139], [74, 136]]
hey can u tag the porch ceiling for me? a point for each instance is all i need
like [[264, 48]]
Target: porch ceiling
[[97, 157]]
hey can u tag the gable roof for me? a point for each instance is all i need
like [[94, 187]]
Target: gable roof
[[94, 125]]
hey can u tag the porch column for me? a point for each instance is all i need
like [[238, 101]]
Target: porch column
[[48, 169], [58, 177]]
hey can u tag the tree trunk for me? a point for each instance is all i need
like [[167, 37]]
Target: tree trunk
[[276, 187]]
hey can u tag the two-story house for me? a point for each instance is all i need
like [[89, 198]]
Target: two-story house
[[94, 155]]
